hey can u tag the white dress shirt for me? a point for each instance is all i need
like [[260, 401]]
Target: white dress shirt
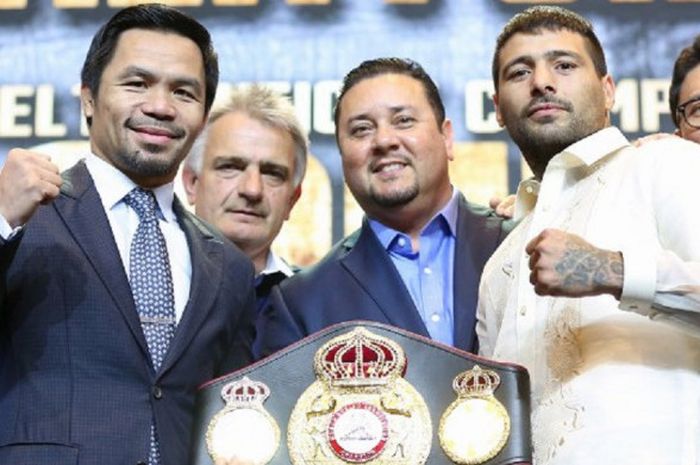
[[112, 185], [612, 382]]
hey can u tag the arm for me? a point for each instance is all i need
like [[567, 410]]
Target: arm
[[566, 265], [27, 180], [660, 269]]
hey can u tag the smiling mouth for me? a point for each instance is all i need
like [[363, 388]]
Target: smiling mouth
[[388, 167]]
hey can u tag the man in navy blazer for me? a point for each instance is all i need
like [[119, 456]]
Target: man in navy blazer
[[77, 382], [417, 259]]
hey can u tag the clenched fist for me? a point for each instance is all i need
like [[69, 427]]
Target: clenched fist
[[564, 264], [27, 180]]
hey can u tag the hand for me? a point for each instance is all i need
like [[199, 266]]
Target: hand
[[504, 207], [27, 180], [564, 264]]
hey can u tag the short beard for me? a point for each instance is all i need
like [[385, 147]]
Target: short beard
[[147, 166], [540, 143], [395, 198]]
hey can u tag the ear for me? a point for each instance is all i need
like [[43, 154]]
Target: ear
[[609, 91], [189, 182], [448, 136], [293, 201], [499, 117], [87, 101]]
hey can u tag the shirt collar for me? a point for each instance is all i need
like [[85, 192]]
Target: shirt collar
[[112, 185], [446, 217], [587, 151], [275, 264], [599, 144]]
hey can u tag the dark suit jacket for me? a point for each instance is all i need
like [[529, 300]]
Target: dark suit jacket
[[358, 281], [76, 381]]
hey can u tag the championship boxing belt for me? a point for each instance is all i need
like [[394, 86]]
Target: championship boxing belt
[[365, 393]]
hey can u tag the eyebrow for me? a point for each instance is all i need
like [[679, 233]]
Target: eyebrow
[[549, 55], [264, 164], [178, 81]]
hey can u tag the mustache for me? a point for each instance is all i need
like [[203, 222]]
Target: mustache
[[248, 207], [139, 122], [547, 99]]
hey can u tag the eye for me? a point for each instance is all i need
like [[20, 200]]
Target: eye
[[229, 167], [275, 176], [185, 94], [693, 109], [516, 74], [566, 66], [404, 121], [359, 130], [135, 84]]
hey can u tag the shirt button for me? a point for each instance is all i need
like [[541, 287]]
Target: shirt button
[[401, 242], [523, 310], [435, 318], [529, 189], [427, 270], [157, 392]]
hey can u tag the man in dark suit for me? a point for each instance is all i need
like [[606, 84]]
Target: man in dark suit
[[417, 259], [115, 303]]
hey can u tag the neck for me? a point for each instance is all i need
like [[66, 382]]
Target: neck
[[259, 259]]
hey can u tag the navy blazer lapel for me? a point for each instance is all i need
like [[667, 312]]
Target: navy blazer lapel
[[478, 233], [82, 212], [371, 266], [206, 255]]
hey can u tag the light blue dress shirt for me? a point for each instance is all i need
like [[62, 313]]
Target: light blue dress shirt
[[428, 272]]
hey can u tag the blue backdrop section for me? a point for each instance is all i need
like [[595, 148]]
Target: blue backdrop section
[[306, 49]]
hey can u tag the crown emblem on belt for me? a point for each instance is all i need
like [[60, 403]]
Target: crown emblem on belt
[[245, 392], [476, 382], [360, 358]]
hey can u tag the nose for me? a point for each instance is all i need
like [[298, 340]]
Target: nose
[[251, 185], [159, 104], [542, 81], [385, 139]]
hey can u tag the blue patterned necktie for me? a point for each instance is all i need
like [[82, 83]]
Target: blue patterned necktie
[[151, 286]]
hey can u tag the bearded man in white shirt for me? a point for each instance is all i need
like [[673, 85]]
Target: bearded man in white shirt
[[597, 291]]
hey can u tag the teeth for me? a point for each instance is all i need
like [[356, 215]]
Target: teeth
[[391, 167]]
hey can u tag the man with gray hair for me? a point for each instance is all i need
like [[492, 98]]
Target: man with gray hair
[[244, 175]]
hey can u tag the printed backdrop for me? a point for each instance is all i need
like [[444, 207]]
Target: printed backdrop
[[304, 50]]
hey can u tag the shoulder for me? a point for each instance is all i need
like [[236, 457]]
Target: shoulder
[[478, 222], [199, 230], [326, 270]]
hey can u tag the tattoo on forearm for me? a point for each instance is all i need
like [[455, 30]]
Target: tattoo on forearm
[[584, 266]]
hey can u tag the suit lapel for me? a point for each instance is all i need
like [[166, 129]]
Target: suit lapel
[[371, 266], [206, 255], [82, 213], [477, 237]]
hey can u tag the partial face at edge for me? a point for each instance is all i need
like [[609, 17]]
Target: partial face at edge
[[689, 89]]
